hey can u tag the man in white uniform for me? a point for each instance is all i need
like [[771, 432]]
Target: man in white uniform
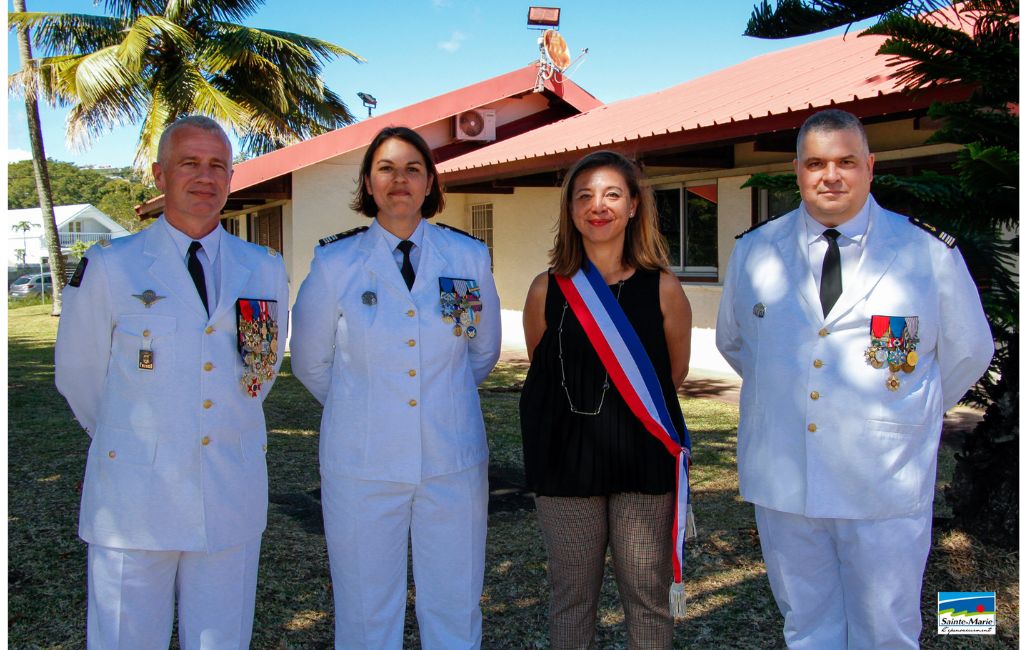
[[168, 344], [854, 329]]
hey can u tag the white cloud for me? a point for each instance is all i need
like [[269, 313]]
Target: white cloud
[[452, 44], [15, 155]]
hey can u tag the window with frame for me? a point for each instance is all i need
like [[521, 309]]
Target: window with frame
[[481, 224], [265, 228], [74, 226], [689, 220], [771, 203]]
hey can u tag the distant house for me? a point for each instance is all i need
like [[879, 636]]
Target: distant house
[[82, 222]]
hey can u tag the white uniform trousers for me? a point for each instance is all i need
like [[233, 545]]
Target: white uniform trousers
[[846, 583], [367, 524], [132, 592]]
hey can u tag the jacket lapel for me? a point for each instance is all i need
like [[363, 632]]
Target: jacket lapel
[[234, 274], [431, 264], [792, 245], [379, 258], [168, 270]]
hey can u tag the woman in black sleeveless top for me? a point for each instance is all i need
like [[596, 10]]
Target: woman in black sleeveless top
[[600, 478]]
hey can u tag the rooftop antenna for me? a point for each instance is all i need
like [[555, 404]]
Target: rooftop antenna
[[553, 53], [368, 101]]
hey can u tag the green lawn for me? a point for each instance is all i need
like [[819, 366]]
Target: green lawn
[[729, 602]]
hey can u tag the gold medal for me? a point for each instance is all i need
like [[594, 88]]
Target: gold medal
[[457, 330], [875, 363], [911, 358], [448, 319], [907, 368], [892, 383]]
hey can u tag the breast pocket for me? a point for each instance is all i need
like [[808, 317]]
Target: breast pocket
[[143, 346]]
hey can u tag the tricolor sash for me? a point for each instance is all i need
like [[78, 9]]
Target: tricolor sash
[[630, 368]]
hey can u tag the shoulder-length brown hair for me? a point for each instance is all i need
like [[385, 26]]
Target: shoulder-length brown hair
[[363, 201], [643, 247]]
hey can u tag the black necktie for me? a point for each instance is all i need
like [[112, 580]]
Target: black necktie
[[406, 269], [832, 274], [197, 273]]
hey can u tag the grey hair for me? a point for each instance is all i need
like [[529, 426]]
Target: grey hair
[[195, 121], [831, 119]]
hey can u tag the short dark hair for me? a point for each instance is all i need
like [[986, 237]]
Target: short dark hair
[[831, 119], [364, 202]]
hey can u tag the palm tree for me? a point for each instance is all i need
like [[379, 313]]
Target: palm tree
[[152, 61], [22, 227], [42, 175]]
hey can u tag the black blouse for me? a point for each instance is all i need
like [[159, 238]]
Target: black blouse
[[569, 454]]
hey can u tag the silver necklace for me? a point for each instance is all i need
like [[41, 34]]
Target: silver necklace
[[563, 370]]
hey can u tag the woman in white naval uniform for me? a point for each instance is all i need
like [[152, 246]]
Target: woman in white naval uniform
[[393, 329]]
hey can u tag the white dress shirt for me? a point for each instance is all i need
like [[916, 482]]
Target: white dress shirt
[[416, 238], [208, 256], [851, 244]]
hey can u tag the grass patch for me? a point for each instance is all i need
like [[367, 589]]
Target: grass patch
[[730, 605]]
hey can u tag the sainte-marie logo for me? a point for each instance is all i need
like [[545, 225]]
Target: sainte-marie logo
[[966, 612]]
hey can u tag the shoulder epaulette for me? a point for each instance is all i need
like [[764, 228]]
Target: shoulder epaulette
[[272, 251], [756, 226], [459, 232], [342, 235], [941, 235]]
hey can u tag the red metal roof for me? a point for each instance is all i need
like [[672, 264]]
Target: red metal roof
[[360, 134], [831, 71]]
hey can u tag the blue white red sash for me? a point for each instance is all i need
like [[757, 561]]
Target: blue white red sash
[[630, 368]]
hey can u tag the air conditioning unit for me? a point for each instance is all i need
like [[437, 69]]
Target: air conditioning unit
[[478, 125]]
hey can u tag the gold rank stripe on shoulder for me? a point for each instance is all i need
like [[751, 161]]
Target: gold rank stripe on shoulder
[[342, 235], [459, 231], [941, 235]]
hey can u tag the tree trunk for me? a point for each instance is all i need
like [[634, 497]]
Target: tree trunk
[[42, 174]]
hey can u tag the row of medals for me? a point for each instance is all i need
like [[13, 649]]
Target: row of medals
[[260, 354], [463, 321], [898, 359]]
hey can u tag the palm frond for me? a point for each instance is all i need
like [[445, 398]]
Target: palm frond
[[148, 30], [156, 120], [324, 50], [801, 17], [59, 33]]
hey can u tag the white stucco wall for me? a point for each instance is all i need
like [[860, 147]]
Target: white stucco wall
[[734, 216], [320, 207], [522, 225]]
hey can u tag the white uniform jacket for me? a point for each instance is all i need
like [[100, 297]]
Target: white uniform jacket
[[821, 434], [399, 388], [177, 460]]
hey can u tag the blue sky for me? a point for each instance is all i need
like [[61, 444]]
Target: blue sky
[[416, 49]]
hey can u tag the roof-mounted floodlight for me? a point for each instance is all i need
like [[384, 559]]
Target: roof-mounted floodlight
[[548, 17], [368, 101]]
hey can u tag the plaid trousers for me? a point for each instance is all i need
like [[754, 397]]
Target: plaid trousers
[[638, 530]]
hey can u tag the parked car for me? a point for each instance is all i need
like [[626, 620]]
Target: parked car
[[29, 285]]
